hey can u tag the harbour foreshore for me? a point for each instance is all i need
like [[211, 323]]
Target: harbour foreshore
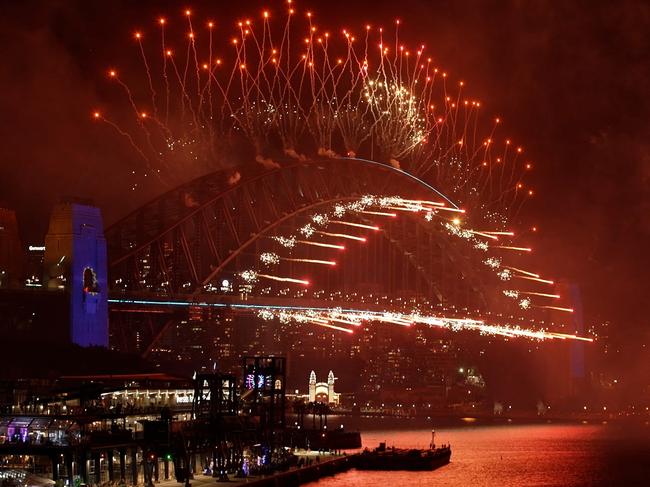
[[320, 466]]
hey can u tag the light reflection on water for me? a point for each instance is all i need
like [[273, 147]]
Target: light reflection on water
[[518, 455]]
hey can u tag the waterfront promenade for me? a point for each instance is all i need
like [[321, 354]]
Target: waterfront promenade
[[321, 465]]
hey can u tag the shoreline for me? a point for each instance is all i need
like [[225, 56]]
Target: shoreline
[[358, 422], [328, 465]]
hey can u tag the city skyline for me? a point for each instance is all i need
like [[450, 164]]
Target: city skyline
[[84, 63], [249, 241]]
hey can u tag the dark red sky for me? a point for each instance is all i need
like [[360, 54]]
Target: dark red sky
[[571, 81]]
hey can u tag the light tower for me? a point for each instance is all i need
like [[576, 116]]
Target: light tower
[[312, 386]]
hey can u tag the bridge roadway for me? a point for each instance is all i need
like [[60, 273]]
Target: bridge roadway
[[168, 308], [244, 303]]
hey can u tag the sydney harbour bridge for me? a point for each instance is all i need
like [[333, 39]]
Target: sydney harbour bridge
[[186, 249]]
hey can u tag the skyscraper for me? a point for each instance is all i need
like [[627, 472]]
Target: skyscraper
[[11, 256]]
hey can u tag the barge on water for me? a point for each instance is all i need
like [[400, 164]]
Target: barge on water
[[403, 459], [383, 458]]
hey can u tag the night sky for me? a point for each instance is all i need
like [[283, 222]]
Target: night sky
[[571, 81]]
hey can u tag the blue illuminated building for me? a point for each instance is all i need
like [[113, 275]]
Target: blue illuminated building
[[75, 262]]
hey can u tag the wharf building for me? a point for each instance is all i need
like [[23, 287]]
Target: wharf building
[[138, 429], [94, 429]]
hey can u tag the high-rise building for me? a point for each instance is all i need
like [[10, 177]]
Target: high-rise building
[[35, 259], [11, 256]]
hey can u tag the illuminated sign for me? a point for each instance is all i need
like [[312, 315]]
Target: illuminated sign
[[252, 378]]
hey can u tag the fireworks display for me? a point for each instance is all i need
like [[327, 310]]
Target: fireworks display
[[356, 318], [278, 87], [370, 206]]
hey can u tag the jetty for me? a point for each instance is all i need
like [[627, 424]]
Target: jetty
[[319, 467], [314, 467]]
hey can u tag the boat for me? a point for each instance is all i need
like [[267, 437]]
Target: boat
[[382, 458], [403, 459]]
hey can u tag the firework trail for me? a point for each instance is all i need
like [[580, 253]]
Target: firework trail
[[277, 86], [368, 206], [270, 258], [357, 317]]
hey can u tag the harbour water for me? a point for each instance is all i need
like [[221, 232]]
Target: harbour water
[[567, 455]]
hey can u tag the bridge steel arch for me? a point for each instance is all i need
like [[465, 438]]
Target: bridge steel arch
[[188, 235], [175, 245]]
